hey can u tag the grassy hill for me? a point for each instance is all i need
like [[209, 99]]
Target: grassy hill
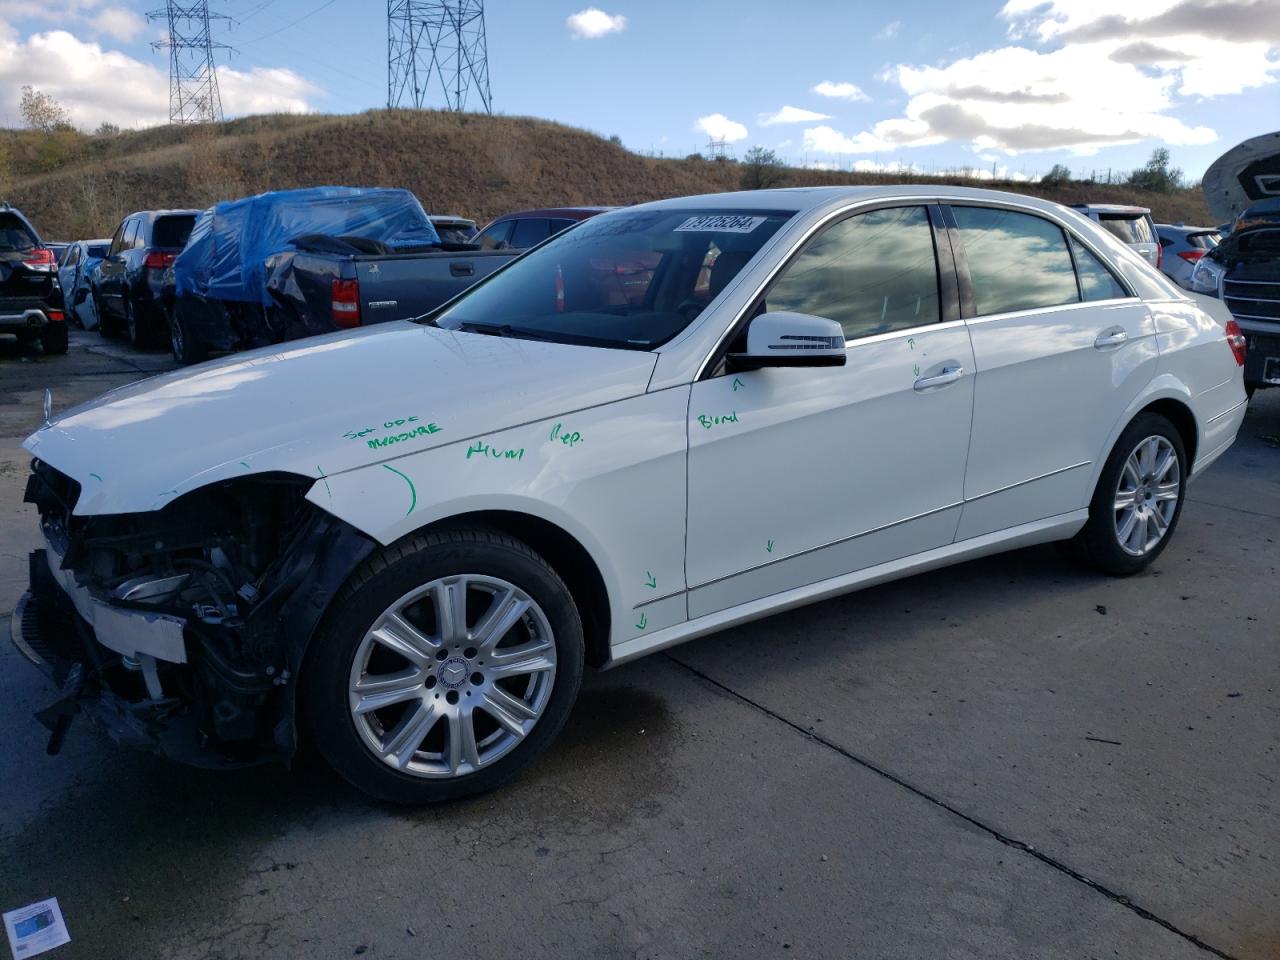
[[75, 185]]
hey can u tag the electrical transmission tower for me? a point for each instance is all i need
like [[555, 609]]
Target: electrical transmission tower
[[436, 42], [193, 82]]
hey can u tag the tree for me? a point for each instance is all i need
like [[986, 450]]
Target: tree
[[41, 112], [106, 129], [1058, 175], [1157, 176], [761, 169]]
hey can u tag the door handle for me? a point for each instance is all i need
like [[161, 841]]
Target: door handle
[[949, 374], [462, 269], [1110, 338]]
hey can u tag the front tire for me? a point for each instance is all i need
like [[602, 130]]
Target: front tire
[[1138, 500], [450, 661]]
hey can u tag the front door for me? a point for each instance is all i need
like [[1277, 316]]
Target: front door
[[799, 475]]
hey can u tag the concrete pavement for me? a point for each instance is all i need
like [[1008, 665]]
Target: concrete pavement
[[1009, 758]]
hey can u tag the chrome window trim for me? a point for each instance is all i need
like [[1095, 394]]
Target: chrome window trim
[[1014, 314], [876, 203]]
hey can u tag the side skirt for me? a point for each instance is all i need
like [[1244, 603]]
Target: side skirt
[[1025, 535]]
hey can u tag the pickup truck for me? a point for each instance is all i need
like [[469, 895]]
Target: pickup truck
[[289, 264], [319, 290]]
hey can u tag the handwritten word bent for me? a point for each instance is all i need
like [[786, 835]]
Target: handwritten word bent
[[482, 449], [709, 421]]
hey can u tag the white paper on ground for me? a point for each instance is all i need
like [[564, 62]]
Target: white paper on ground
[[35, 929]]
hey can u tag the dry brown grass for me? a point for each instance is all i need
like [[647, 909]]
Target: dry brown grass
[[474, 165]]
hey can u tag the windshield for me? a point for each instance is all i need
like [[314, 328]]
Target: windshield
[[630, 280], [1129, 227]]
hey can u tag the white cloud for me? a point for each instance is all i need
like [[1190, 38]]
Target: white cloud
[[888, 166], [889, 30], [118, 22], [593, 22], [1085, 77], [95, 85], [840, 90], [719, 127], [791, 115]]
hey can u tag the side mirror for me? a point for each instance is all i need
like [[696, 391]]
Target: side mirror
[[783, 339]]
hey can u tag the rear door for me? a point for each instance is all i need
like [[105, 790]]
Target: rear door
[[798, 475], [111, 272], [1061, 348]]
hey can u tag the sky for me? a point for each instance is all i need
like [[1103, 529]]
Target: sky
[[1008, 88]]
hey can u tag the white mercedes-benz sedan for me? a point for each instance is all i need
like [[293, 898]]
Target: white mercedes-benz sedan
[[406, 542]]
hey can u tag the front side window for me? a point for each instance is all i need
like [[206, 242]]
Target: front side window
[[530, 232], [72, 256], [1016, 261], [627, 280], [497, 236], [1097, 282], [872, 273]]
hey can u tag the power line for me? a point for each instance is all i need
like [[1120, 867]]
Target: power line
[[290, 24], [193, 81], [437, 41]]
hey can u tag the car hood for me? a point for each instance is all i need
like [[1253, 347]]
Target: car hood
[[321, 407]]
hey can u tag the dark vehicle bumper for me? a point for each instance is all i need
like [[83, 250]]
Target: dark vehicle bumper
[[1263, 347], [23, 322]]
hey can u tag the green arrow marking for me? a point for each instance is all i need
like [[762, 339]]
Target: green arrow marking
[[644, 622], [736, 384], [769, 547], [651, 581], [911, 342]]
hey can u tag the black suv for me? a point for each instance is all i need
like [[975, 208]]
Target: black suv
[[30, 299], [128, 286]]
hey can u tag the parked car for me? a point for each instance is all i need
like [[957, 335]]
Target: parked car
[[128, 285], [455, 230], [1244, 270], [408, 542], [30, 299], [1181, 246], [528, 228], [74, 270], [294, 263], [1131, 225]]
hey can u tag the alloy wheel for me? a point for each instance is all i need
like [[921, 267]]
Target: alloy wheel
[[452, 676], [1147, 495]]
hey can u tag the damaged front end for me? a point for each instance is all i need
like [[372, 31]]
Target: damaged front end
[[183, 629]]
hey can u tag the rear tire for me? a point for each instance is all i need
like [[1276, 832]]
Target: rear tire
[[134, 327], [183, 344], [1138, 500], [55, 338], [406, 705]]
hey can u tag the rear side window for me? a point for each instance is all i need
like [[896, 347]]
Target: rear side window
[[99, 250], [872, 273], [530, 232], [14, 234], [172, 231], [496, 236], [130, 235], [1097, 282], [1016, 261], [560, 224], [1128, 227]]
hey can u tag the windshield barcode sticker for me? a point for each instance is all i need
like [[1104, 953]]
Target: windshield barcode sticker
[[720, 223]]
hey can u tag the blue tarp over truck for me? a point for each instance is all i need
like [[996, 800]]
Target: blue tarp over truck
[[225, 254]]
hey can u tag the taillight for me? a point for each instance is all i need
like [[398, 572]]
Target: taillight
[[41, 259], [155, 260], [1191, 256], [1236, 341], [1159, 255], [346, 303], [57, 316]]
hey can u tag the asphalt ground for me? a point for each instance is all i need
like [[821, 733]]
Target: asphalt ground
[[1008, 758]]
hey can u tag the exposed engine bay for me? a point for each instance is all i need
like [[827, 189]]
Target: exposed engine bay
[[184, 627]]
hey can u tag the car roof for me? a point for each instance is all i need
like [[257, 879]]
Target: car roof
[[1122, 208], [154, 214]]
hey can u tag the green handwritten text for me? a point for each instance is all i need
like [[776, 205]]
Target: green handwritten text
[[569, 439], [421, 431], [709, 421], [482, 449]]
